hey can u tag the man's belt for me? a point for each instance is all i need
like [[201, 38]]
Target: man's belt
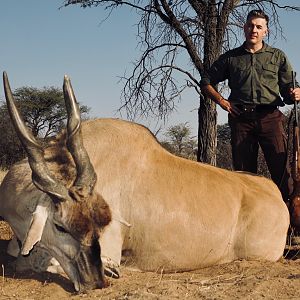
[[251, 108]]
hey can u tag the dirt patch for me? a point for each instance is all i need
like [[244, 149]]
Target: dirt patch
[[237, 280]]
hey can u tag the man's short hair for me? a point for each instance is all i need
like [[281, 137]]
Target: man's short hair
[[258, 13]]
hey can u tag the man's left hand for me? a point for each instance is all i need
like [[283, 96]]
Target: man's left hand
[[295, 94]]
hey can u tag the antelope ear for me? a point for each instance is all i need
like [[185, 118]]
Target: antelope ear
[[35, 232]]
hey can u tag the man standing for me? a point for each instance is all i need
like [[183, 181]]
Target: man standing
[[257, 76]]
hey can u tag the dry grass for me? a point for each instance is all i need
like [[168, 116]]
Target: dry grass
[[2, 174]]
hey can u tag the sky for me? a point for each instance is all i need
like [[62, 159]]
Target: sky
[[40, 43]]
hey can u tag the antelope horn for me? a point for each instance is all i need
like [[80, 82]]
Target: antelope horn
[[86, 176], [41, 175]]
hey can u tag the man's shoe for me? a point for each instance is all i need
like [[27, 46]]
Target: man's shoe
[[295, 240]]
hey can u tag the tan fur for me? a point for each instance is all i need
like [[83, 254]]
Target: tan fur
[[183, 215]]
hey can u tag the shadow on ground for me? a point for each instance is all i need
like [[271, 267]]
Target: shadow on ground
[[8, 270]]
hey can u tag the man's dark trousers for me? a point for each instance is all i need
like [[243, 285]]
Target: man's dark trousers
[[263, 126]]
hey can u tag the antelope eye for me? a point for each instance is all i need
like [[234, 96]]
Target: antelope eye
[[60, 228]]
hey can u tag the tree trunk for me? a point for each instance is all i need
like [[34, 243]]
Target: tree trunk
[[207, 131], [207, 115]]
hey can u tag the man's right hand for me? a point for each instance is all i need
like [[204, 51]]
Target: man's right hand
[[229, 107], [210, 91]]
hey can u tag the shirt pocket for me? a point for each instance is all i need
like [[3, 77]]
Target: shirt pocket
[[270, 68], [240, 65], [239, 71], [270, 73]]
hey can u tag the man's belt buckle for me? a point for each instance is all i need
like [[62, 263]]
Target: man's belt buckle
[[248, 108]]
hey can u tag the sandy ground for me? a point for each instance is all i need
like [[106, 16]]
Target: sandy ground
[[237, 280]]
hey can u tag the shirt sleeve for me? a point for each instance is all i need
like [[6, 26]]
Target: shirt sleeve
[[285, 79], [217, 72]]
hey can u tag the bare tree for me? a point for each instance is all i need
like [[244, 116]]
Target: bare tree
[[179, 41]]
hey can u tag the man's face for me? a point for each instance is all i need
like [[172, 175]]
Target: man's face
[[255, 30]]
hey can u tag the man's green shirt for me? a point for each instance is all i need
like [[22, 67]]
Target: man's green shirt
[[254, 78]]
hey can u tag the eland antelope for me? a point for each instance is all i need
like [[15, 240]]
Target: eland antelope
[[109, 180]]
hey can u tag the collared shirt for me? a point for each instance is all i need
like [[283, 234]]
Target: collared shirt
[[254, 78]]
